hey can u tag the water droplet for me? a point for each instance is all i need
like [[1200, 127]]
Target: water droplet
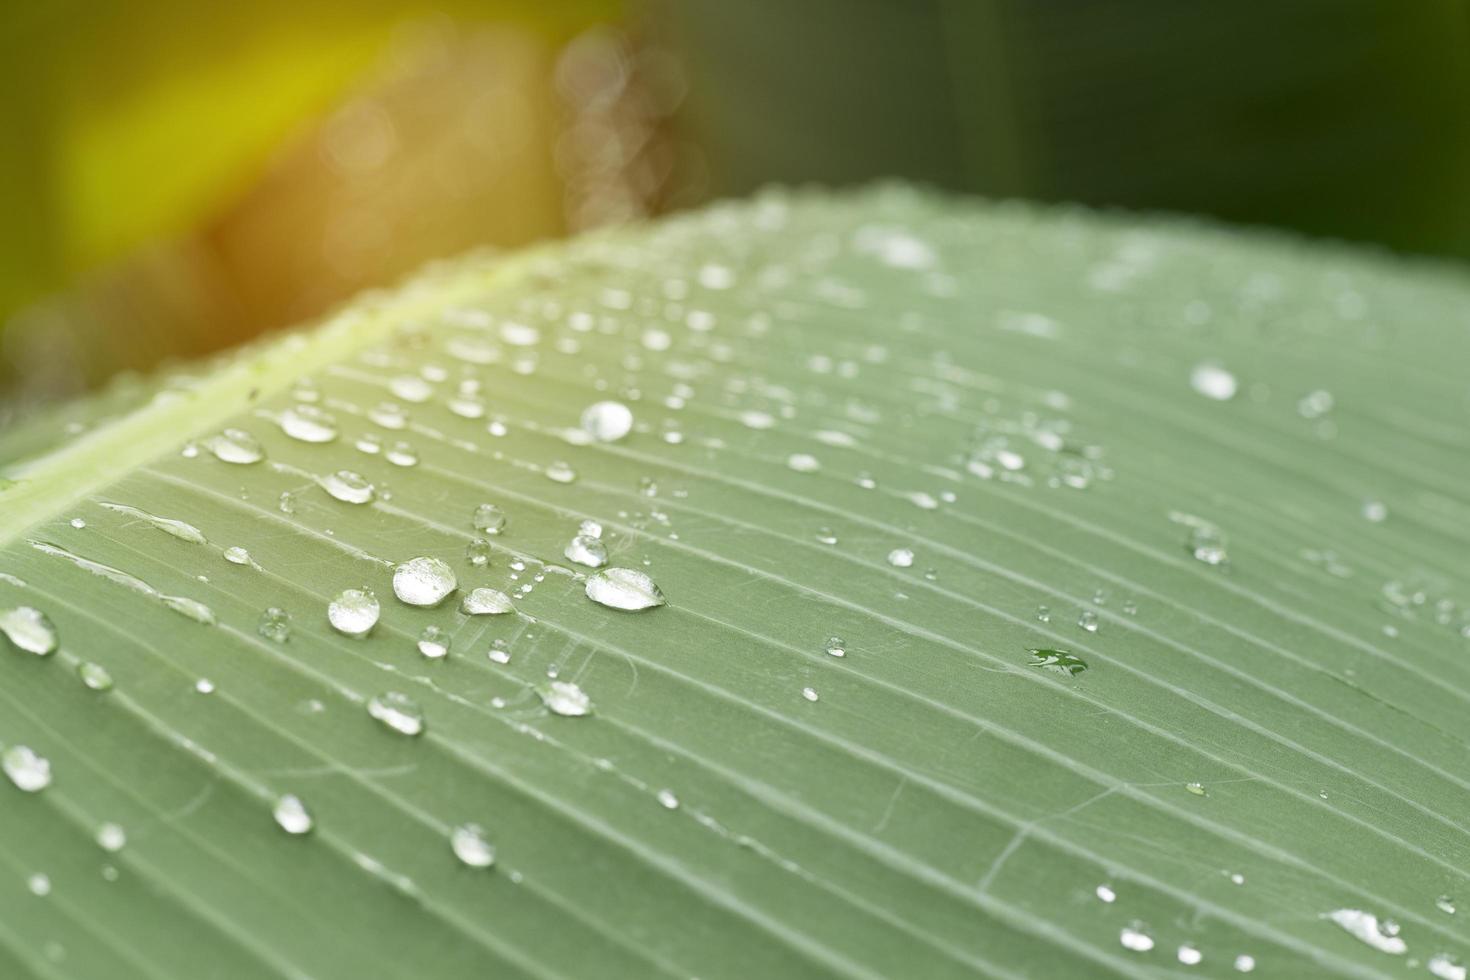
[[204, 685], [348, 487], [486, 602], [287, 502], [179, 529], [369, 443], [1365, 927], [565, 698], [424, 581], [410, 388], [1245, 963], [1375, 511], [810, 693], [498, 651], [111, 837], [1197, 789], [1057, 662], [1445, 904], [307, 423], [587, 551], [275, 625], [901, 557], [1206, 541], [402, 454], [354, 612], [623, 588], [434, 642], [836, 647], [1087, 619], [1213, 381], [560, 472], [1236, 878], [236, 446], [94, 676], [29, 629], [237, 555], [1190, 955], [471, 846], [1135, 936], [607, 421], [78, 523], [389, 415], [489, 519], [1043, 614], [39, 884], [478, 552], [398, 712], [1106, 894], [27, 769], [1446, 967], [291, 815], [667, 799], [803, 463]]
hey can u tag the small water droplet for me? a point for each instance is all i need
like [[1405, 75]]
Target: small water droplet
[[1190, 955], [585, 550], [1236, 878], [488, 519], [1245, 963], [354, 612], [402, 454], [667, 799], [1106, 894], [1057, 662], [348, 487], [424, 581], [901, 557], [1366, 928], [498, 652], [486, 602], [479, 552], [291, 815], [1445, 904], [27, 769], [275, 625], [836, 647], [1135, 936], [204, 685], [560, 472], [1198, 789], [397, 711], [237, 555], [39, 884], [307, 423], [94, 676], [1213, 381], [78, 523], [565, 698], [810, 693], [1087, 619], [287, 502], [389, 415], [623, 588], [1375, 511], [1446, 967], [803, 463], [236, 446], [471, 846], [433, 642], [29, 629], [607, 421], [1043, 614], [111, 837], [411, 388], [179, 529]]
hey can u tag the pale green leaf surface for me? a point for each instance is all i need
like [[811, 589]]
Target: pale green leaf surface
[[942, 808]]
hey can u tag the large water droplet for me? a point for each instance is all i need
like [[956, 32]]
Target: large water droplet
[[29, 629], [1366, 928], [488, 519], [307, 423], [397, 711], [424, 581], [27, 769], [565, 698], [236, 446], [486, 602], [1213, 381], [292, 815], [348, 487], [471, 846], [623, 588], [94, 676], [607, 421], [434, 643], [354, 612], [586, 550], [1057, 662]]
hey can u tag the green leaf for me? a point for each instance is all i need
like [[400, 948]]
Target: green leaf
[[1044, 594]]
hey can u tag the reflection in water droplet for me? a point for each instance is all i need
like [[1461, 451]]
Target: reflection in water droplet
[[29, 629], [607, 421], [623, 588], [275, 625], [433, 642], [424, 581], [1057, 662], [94, 676], [489, 519], [354, 612], [470, 845], [27, 769], [291, 815], [348, 487], [397, 711], [585, 550], [486, 602], [236, 446], [565, 698]]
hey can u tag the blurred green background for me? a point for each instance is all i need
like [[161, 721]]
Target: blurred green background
[[179, 177]]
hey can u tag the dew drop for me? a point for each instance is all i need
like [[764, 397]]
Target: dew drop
[[434, 643], [402, 454], [486, 602], [410, 388], [1445, 904], [560, 472], [901, 557], [204, 685], [1087, 619], [78, 523], [565, 698], [237, 555], [39, 884], [354, 612], [348, 487], [1213, 381], [94, 676], [498, 652], [291, 814], [275, 625], [803, 463], [810, 693], [424, 581], [389, 415], [28, 770], [1135, 936], [488, 519], [111, 837], [1106, 894], [1190, 955], [478, 552], [1366, 928], [236, 446], [623, 588], [607, 421], [1057, 662], [29, 629], [307, 423], [836, 647], [1245, 963], [471, 846], [397, 711], [1446, 967], [667, 799], [585, 550], [1197, 789]]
